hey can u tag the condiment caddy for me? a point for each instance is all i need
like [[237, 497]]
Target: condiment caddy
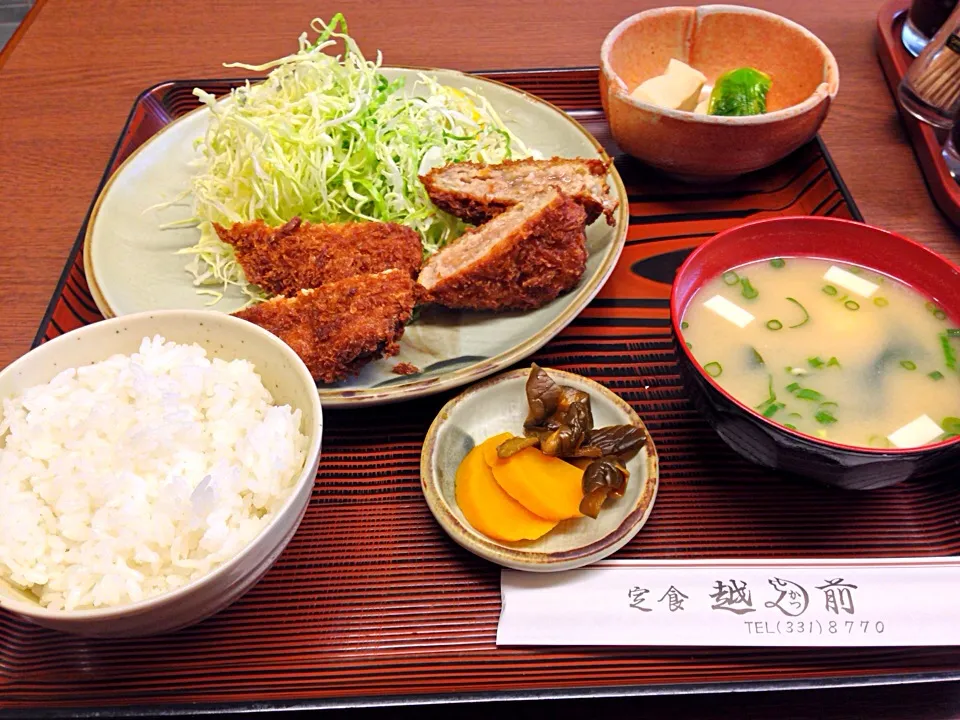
[[928, 142]]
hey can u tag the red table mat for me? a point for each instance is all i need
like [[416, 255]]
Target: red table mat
[[372, 603]]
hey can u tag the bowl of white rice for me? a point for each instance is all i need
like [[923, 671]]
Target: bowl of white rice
[[152, 469]]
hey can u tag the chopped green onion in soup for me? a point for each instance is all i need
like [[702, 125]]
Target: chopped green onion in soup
[[824, 417], [899, 358], [747, 290], [772, 409], [806, 315], [714, 369]]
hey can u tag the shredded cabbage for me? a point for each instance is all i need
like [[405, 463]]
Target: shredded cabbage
[[330, 139]]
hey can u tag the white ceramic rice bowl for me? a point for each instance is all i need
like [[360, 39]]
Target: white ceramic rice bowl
[[223, 336]]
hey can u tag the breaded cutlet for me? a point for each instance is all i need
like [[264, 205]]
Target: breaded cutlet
[[342, 325], [476, 193], [301, 255], [520, 260]]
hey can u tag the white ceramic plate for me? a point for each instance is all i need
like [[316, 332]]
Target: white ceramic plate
[[131, 264], [500, 405]]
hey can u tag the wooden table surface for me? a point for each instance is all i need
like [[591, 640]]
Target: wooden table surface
[[69, 77]]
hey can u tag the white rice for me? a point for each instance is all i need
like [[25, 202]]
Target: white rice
[[133, 476]]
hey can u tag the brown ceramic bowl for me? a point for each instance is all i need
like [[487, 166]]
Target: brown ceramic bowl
[[715, 39]]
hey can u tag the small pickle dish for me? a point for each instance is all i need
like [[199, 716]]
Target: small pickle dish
[[539, 470]]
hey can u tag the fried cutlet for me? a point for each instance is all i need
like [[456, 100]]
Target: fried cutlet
[[341, 326], [302, 255], [520, 260], [476, 193]]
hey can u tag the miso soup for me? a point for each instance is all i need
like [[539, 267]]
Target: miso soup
[[835, 351]]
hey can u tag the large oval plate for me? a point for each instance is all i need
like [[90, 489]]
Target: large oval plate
[[132, 265]]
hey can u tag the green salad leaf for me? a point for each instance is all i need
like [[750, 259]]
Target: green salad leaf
[[329, 138]]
